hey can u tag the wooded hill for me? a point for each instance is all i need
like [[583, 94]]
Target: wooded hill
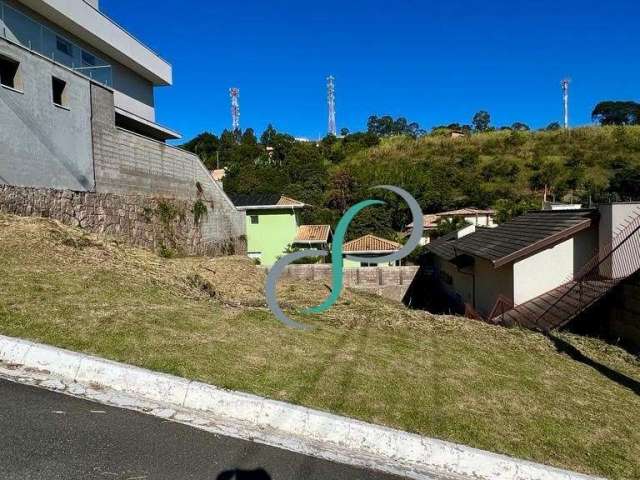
[[507, 169]]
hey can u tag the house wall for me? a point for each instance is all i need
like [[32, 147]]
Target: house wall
[[543, 271], [613, 219], [553, 266], [352, 264], [269, 239], [134, 94], [455, 284], [490, 283], [43, 145]]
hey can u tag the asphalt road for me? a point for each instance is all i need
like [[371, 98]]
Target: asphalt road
[[46, 436]]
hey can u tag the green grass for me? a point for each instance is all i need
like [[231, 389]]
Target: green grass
[[508, 391]]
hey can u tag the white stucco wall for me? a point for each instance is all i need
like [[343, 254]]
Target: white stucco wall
[[543, 271]]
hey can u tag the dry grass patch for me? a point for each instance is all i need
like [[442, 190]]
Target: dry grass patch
[[508, 391]]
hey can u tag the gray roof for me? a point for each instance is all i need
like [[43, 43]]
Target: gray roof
[[518, 238]]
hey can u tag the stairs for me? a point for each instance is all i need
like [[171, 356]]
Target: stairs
[[556, 308]]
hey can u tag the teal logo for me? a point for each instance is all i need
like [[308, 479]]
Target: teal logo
[[337, 261]]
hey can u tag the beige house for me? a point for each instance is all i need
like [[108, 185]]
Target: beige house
[[473, 216], [370, 246], [516, 261]]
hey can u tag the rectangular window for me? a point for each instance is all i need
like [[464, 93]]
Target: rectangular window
[[64, 46], [255, 219], [59, 89], [10, 73], [88, 59]]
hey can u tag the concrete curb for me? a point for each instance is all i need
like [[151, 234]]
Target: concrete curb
[[283, 425]]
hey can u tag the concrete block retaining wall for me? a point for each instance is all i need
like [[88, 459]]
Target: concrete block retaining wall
[[389, 282], [138, 220]]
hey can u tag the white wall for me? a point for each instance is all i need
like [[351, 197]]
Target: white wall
[[543, 271]]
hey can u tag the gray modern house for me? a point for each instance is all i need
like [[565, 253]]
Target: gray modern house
[[77, 111]]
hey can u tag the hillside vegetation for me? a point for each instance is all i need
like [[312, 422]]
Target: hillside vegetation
[[509, 170], [504, 390]]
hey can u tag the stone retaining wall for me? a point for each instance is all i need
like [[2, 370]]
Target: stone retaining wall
[[168, 225], [389, 282]]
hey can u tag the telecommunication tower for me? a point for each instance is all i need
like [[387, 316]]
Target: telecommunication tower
[[331, 100], [234, 93], [565, 101]]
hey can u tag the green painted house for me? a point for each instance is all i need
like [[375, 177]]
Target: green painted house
[[272, 224]]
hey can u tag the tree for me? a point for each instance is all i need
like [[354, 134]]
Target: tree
[[386, 126], [344, 132], [626, 183], [553, 126], [448, 225], [617, 113], [341, 193], [249, 137], [268, 136], [481, 121], [507, 209], [520, 127]]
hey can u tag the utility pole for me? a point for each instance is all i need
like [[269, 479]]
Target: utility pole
[[234, 93], [331, 100], [565, 101]]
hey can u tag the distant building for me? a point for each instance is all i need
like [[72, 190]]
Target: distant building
[[272, 224], [316, 237], [370, 246], [78, 114], [219, 174], [473, 216], [561, 206], [523, 259]]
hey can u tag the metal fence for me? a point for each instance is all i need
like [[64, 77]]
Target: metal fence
[[19, 28]]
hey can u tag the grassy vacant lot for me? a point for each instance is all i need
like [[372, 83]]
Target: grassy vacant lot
[[509, 391]]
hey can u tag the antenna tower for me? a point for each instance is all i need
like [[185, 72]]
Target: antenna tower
[[234, 93], [565, 101], [331, 100]]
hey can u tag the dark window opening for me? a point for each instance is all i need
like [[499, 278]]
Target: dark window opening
[[88, 59], [255, 219], [64, 46], [9, 73], [59, 88]]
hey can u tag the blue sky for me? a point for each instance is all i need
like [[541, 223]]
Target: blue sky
[[432, 62]]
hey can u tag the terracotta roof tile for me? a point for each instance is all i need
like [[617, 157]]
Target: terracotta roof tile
[[313, 234], [371, 243]]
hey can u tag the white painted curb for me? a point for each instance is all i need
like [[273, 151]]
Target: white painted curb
[[295, 428]]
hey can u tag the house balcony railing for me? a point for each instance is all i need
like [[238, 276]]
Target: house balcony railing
[[21, 29]]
